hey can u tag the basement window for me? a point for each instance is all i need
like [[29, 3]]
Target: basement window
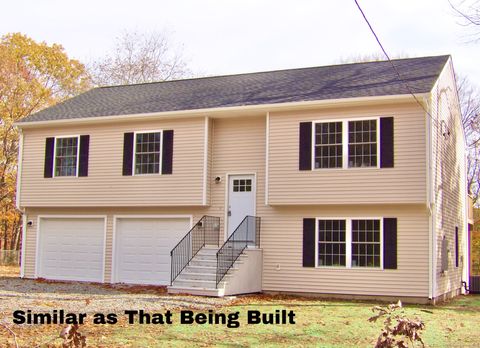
[[351, 243]]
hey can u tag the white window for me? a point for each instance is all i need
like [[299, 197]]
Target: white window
[[349, 242], [328, 145], [362, 143], [66, 156], [346, 144], [147, 157]]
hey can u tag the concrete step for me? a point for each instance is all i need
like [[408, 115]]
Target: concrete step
[[196, 291], [203, 263], [196, 276], [208, 257], [200, 269], [195, 283], [207, 251], [204, 269]]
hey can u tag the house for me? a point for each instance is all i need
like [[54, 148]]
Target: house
[[342, 180]]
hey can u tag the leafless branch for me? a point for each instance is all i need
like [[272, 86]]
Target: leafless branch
[[140, 58], [11, 332]]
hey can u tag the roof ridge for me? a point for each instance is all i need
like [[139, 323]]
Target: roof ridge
[[270, 71]]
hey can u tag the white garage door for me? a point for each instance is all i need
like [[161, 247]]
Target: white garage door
[[142, 248], [71, 249]]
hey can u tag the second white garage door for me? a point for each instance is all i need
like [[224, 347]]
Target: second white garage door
[[142, 248]]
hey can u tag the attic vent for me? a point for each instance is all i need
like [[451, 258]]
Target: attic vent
[[444, 254]]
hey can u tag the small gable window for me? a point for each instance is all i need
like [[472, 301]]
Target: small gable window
[[147, 152], [66, 156]]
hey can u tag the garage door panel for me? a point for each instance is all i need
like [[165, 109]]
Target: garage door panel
[[71, 248], [142, 252]]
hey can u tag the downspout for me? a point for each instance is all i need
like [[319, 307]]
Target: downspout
[[430, 205], [18, 203]]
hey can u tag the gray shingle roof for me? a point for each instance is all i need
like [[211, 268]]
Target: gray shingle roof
[[293, 85]]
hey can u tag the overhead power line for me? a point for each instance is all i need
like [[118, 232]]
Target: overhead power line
[[393, 64]]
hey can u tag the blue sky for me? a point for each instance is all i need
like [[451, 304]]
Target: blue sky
[[233, 36]]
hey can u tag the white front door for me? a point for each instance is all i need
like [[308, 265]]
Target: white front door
[[241, 200]]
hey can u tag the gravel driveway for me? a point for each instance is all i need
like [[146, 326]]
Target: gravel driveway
[[43, 296]]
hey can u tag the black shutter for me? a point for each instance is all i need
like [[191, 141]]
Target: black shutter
[[83, 160], [49, 157], [127, 153], [167, 152], [305, 146], [386, 142], [390, 243], [308, 242]]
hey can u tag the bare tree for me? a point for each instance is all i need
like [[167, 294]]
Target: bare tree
[[138, 58], [470, 104], [469, 13], [368, 57]]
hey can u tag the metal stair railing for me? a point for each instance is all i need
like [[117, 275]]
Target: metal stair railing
[[246, 234], [205, 232]]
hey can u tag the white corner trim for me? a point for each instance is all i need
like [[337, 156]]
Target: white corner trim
[[267, 154], [24, 239], [205, 161], [19, 172]]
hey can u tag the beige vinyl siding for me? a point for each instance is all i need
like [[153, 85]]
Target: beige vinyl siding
[[282, 242], [238, 148], [405, 183], [448, 179], [105, 184]]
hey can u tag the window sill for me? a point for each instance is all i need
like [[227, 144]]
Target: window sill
[[356, 269], [345, 169]]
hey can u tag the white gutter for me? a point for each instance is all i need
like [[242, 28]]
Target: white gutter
[[228, 111]]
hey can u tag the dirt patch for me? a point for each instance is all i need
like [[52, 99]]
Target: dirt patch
[[45, 295]]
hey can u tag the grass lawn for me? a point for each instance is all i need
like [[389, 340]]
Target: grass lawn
[[319, 323]]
